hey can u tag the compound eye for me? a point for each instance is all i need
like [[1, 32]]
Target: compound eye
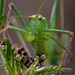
[[31, 18], [40, 18]]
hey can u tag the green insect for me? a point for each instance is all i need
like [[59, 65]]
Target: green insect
[[40, 33]]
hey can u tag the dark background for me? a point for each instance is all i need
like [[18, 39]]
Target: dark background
[[30, 7]]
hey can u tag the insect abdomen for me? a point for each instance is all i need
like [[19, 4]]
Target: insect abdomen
[[39, 44]]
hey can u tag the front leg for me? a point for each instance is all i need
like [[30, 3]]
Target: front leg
[[65, 55], [65, 32], [29, 36], [18, 13], [60, 31], [6, 24]]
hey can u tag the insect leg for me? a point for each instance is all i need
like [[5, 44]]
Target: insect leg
[[18, 29], [71, 53], [18, 13], [5, 28], [66, 53], [59, 31], [72, 36], [58, 42]]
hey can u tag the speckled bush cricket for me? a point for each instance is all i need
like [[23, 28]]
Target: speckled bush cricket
[[40, 32]]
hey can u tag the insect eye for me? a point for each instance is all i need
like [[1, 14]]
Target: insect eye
[[40, 18], [31, 18]]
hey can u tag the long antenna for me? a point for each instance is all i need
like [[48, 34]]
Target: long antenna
[[41, 6]]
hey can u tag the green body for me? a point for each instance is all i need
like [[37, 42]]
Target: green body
[[41, 43], [37, 24]]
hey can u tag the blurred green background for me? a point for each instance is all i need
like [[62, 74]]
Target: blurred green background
[[30, 7]]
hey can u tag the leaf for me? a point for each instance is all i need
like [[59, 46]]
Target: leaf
[[2, 5], [54, 15], [11, 63], [3, 20], [52, 70]]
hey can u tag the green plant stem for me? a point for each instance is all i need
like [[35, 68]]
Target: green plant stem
[[54, 15], [62, 13], [2, 5]]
